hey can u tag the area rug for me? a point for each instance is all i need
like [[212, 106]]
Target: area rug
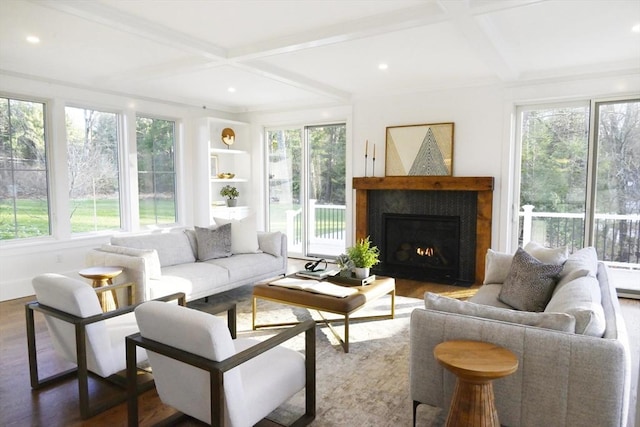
[[369, 386]]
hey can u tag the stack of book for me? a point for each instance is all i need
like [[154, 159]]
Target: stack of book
[[318, 274], [315, 286]]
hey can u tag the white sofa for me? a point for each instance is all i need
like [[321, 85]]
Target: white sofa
[[168, 262], [574, 362]]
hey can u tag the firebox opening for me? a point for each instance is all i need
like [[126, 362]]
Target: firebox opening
[[421, 247]]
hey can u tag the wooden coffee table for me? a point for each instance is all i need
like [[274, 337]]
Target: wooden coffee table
[[476, 364], [323, 303]]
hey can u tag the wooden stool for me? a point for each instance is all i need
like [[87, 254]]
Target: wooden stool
[[103, 276], [475, 365]]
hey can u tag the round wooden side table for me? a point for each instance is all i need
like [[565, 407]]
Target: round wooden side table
[[475, 365], [103, 276]]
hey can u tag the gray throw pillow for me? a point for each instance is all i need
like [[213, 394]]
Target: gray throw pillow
[[213, 242], [530, 283]]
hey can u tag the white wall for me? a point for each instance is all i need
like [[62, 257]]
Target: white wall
[[483, 146]]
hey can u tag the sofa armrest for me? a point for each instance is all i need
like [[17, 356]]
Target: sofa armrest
[[134, 269], [274, 243], [577, 379]]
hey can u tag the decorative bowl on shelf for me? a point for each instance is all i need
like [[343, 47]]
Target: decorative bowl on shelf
[[226, 175]]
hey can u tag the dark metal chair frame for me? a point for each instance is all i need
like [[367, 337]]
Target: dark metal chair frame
[[216, 371], [81, 371]]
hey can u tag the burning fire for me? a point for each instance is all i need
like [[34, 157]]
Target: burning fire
[[425, 251]]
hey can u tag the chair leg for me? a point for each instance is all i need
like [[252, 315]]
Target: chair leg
[[81, 371], [36, 382], [132, 392], [415, 410]]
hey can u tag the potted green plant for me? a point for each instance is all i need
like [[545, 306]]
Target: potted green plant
[[363, 256], [231, 193]]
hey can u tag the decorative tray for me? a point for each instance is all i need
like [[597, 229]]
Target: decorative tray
[[351, 281]]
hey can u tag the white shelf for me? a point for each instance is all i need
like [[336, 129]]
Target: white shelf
[[229, 180], [226, 151]]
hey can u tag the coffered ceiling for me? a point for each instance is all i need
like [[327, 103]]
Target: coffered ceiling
[[298, 53]]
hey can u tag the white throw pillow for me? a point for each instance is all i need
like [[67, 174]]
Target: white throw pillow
[[547, 255], [271, 243], [497, 266], [244, 234]]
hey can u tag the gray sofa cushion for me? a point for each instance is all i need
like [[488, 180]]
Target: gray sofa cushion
[[580, 298], [556, 321], [488, 295], [201, 277], [173, 247], [244, 266], [213, 242], [530, 283]]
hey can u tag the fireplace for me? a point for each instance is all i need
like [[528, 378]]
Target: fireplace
[[422, 247], [465, 200]]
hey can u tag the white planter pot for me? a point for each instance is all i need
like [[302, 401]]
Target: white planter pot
[[361, 273]]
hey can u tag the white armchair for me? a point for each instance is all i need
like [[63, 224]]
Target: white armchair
[[247, 379], [82, 334]]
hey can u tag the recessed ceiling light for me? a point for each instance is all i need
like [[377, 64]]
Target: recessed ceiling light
[[383, 66], [33, 39], [636, 28], [231, 89]]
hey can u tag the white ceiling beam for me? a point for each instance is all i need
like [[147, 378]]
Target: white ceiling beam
[[293, 79], [425, 14], [486, 44]]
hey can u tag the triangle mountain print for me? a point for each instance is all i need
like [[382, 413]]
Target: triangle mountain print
[[429, 160]]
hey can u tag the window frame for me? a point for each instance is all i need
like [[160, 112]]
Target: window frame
[[121, 162], [48, 147], [177, 138]]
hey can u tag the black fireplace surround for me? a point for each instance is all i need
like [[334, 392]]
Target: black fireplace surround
[[424, 235]]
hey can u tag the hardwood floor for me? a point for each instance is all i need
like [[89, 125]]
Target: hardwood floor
[[57, 405]]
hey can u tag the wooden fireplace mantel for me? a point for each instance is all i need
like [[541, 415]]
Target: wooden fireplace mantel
[[482, 185]]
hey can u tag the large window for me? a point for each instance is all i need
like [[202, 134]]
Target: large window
[[94, 184], [307, 187], [24, 201], [580, 180], [156, 170]]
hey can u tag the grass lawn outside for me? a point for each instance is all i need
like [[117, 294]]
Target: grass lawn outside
[[32, 216]]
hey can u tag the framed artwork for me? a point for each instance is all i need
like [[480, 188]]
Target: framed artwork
[[419, 150], [214, 166]]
